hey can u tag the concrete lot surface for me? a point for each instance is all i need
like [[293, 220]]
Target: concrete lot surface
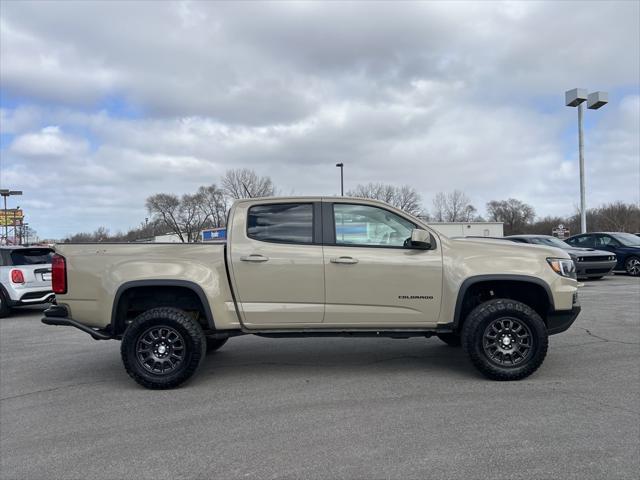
[[327, 408]]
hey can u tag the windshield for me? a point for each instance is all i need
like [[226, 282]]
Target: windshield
[[31, 256], [551, 241], [628, 239]]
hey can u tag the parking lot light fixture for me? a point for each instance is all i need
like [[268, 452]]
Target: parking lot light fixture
[[576, 98]]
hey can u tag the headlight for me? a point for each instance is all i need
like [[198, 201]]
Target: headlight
[[563, 266]]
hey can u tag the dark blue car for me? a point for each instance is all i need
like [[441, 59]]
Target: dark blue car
[[626, 246]]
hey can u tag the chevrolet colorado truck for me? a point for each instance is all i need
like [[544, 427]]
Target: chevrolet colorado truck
[[311, 266]]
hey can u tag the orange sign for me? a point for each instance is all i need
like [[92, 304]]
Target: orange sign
[[13, 217]]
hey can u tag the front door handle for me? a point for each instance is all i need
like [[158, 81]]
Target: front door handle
[[346, 260], [254, 258]]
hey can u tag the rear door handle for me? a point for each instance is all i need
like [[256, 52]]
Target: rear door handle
[[254, 258], [347, 260]]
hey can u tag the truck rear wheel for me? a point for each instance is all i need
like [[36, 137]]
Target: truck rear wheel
[[162, 348], [505, 339]]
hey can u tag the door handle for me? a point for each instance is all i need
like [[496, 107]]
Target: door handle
[[346, 260], [254, 258]]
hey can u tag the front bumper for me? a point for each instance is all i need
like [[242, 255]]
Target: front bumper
[[588, 269], [560, 320], [59, 315]]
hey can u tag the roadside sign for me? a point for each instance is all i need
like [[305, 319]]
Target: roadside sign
[[561, 232], [13, 215], [214, 234]]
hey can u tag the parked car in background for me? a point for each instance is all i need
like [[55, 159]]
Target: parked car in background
[[25, 277], [590, 263], [626, 246]]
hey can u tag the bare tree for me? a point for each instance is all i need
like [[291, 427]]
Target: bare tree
[[453, 207], [192, 216], [245, 183], [515, 215], [101, 234], [214, 203], [617, 217], [405, 197], [166, 206]]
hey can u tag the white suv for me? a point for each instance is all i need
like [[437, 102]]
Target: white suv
[[25, 277]]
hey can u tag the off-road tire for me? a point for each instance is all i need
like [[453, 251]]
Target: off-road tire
[[632, 266], [451, 339], [194, 346], [5, 310], [214, 344], [477, 324]]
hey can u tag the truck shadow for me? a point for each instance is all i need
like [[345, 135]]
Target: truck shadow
[[334, 356]]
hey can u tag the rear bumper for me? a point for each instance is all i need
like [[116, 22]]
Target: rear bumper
[[29, 296], [58, 315]]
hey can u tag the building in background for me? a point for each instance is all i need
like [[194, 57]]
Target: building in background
[[469, 229]]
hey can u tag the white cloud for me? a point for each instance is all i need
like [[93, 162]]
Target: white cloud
[[49, 142]]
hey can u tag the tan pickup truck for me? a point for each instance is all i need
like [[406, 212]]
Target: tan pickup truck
[[311, 266]]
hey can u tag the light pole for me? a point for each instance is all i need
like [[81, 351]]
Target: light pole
[[5, 192], [25, 233], [341, 165], [595, 100]]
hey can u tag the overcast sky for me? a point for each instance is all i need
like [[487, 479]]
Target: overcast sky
[[105, 103]]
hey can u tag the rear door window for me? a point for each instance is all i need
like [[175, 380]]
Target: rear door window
[[31, 256], [281, 223]]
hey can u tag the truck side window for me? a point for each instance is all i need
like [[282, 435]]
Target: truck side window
[[363, 225], [281, 223]]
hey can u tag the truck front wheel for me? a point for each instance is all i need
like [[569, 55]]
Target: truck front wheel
[[162, 348], [505, 339]]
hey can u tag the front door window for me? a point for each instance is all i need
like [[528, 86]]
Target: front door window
[[363, 225]]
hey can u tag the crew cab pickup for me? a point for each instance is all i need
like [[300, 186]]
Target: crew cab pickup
[[310, 266]]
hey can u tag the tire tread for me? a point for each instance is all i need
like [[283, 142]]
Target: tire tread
[[193, 329], [484, 311]]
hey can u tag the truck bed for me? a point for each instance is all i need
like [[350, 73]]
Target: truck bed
[[99, 271]]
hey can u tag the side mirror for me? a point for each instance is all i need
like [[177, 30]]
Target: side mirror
[[420, 239]]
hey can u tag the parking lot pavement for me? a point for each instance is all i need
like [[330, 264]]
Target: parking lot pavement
[[327, 408]]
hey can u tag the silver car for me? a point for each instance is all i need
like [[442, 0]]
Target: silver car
[[25, 277]]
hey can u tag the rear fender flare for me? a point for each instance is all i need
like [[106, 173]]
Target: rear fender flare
[[194, 287]]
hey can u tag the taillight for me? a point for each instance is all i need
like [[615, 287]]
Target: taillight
[[58, 274], [17, 276]]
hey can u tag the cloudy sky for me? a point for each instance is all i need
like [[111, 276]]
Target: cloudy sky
[[105, 103]]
